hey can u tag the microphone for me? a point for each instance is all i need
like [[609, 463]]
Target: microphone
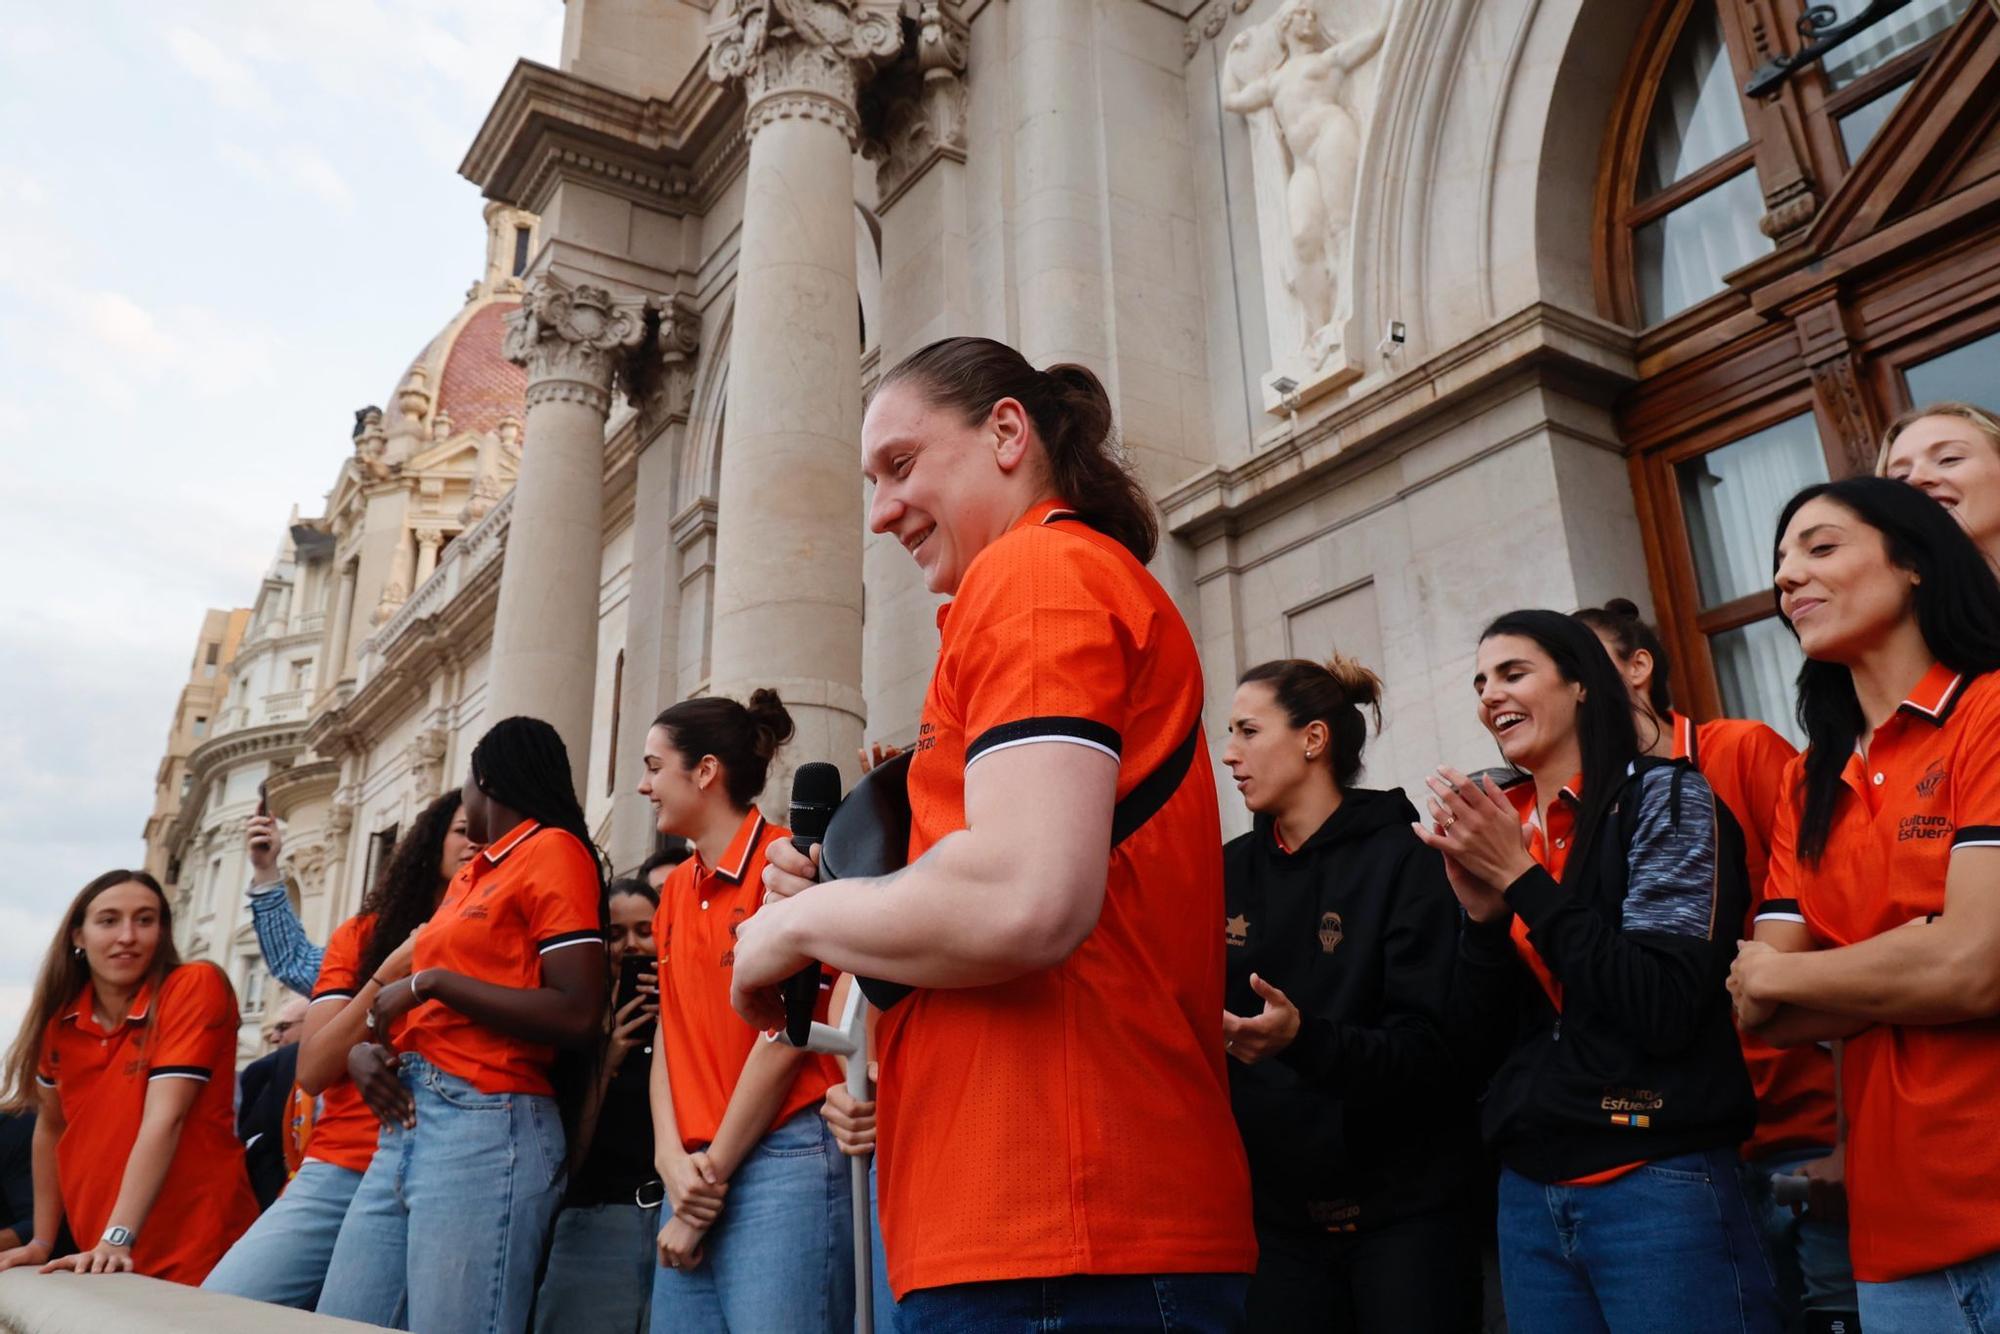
[[815, 794]]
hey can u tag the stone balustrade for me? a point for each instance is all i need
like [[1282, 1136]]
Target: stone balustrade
[[34, 1303], [479, 547]]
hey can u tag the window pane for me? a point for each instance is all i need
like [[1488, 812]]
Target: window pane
[[1696, 118], [1730, 499], [1859, 126], [1757, 670], [1875, 46], [1968, 374], [1681, 256]]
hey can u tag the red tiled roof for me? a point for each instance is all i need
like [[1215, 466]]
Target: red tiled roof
[[479, 386]]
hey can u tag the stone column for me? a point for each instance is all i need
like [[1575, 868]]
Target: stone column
[[428, 542], [653, 603], [788, 548], [340, 634], [545, 628]]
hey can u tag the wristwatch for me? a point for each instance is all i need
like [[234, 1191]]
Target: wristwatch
[[119, 1236]]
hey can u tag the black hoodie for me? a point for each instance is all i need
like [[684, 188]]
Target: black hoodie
[[1362, 1120]]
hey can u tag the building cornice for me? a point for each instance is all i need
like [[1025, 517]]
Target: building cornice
[[293, 787], [277, 741], [1580, 350], [673, 155]]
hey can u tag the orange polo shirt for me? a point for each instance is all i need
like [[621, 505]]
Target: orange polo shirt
[[345, 1131], [1549, 846], [101, 1077], [701, 907], [1744, 763], [1076, 1119], [1921, 1153], [531, 891]]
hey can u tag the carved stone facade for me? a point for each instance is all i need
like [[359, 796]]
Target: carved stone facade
[[1388, 204]]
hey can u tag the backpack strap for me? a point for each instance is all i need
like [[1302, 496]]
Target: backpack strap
[[1156, 789]]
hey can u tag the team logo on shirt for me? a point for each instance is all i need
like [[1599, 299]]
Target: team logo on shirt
[[736, 916], [1236, 931], [1331, 932], [1933, 778], [1922, 827]]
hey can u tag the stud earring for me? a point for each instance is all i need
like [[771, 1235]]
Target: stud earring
[[76, 950]]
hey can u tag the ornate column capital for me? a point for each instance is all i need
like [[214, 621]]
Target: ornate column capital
[[803, 59], [429, 536], [923, 117], [659, 376], [570, 339]]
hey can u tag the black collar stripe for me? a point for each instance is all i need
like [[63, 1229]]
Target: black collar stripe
[[1939, 710]]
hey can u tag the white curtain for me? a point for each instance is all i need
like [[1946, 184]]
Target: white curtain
[[1879, 43], [1730, 500], [1696, 117], [1757, 669]]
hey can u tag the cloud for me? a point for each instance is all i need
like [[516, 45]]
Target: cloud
[[229, 81], [299, 165]]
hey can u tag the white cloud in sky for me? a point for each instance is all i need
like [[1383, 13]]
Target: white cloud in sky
[[228, 80], [234, 222]]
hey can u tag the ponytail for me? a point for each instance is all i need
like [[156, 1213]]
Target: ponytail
[[742, 737], [1619, 619], [1338, 693], [1072, 416]]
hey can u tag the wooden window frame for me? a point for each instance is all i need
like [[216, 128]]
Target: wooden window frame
[[1829, 331]]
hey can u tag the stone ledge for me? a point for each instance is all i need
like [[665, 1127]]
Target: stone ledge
[[33, 1303]]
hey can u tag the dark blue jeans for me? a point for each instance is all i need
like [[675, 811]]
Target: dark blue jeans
[[1667, 1249], [1113, 1303]]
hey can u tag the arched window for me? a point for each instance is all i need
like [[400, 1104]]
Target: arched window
[[1801, 265]]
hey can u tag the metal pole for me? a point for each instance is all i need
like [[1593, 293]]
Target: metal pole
[[851, 1041]]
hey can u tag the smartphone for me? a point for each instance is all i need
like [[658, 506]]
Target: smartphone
[[263, 809], [631, 969]]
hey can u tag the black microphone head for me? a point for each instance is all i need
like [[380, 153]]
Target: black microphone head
[[815, 794]]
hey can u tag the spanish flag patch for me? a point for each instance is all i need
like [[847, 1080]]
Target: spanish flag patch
[[1628, 1119]]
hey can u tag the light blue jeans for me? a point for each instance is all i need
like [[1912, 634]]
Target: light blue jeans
[[447, 1229], [1964, 1299], [600, 1274], [283, 1257], [780, 1260]]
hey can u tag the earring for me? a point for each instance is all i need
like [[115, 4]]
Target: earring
[[1309, 754], [76, 950]]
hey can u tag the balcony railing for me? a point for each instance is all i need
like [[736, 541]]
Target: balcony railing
[[479, 547]]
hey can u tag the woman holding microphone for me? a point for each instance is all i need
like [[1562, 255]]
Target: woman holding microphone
[[1055, 1122], [134, 1142]]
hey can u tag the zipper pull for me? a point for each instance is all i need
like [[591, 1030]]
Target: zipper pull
[[1557, 1034]]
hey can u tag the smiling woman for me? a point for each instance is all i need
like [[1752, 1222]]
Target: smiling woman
[[1951, 453], [1895, 824], [135, 1144]]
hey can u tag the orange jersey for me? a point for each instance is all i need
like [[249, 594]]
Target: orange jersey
[[529, 892], [345, 1131], [1921, 1152], [101, 1076], [1745, 762], [1076, 1119], [701, 908], [1549, 846]]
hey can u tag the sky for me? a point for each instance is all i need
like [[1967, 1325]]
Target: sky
[[224, 225]]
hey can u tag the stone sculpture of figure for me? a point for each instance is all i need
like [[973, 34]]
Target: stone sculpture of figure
[[1320, 139]]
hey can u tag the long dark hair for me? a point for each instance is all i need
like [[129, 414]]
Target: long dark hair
[[522, 764], [1072, 415], [63, 974], [1957, 609], [1605, 736], [406, 893], [1339, 692], [742, 737]]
